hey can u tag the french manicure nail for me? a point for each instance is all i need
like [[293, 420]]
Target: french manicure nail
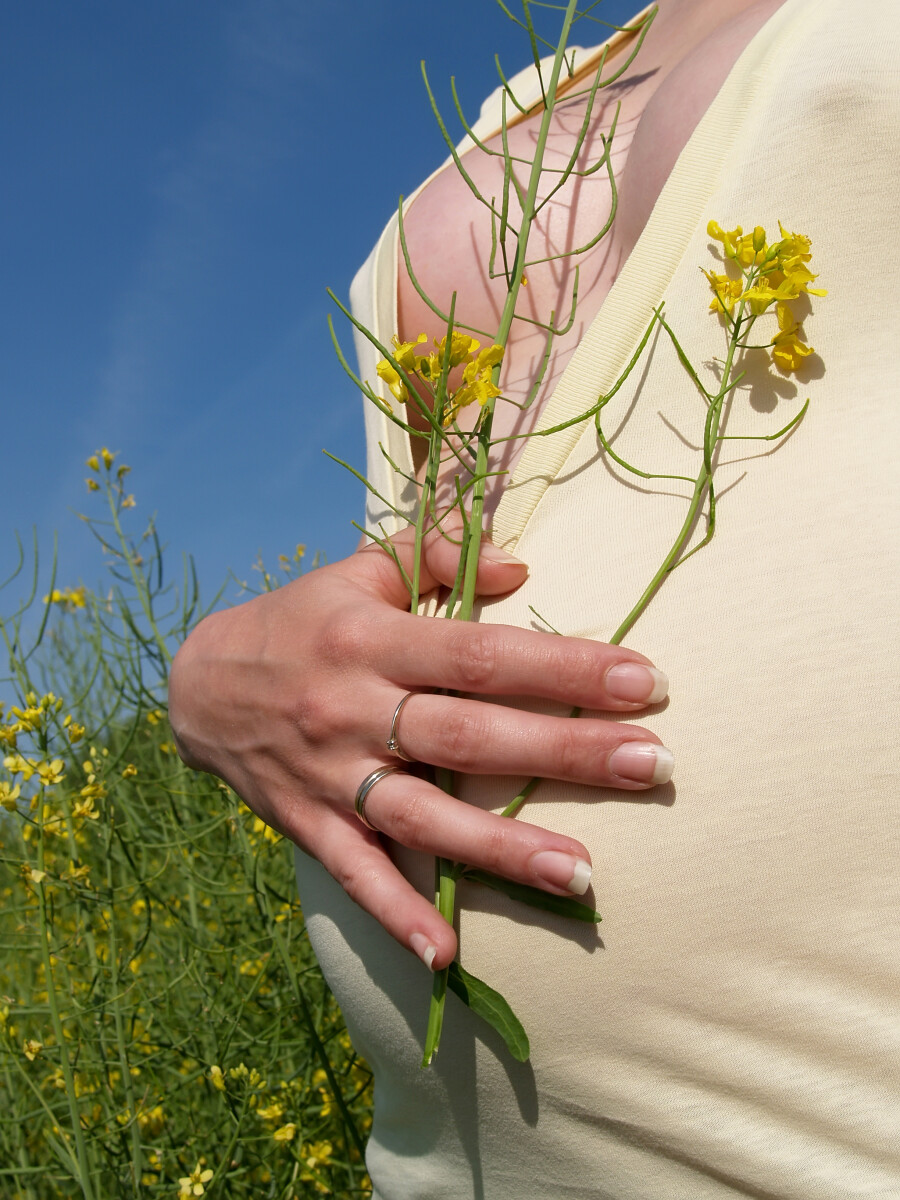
[[642, 762], [494, 554], [636, 682], [562, 870], [425, 950]]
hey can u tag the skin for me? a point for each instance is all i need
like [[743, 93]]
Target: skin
[[289, 697]]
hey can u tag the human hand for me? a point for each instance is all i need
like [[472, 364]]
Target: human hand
[[289, 699]]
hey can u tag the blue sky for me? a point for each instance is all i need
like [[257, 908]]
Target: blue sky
[[182, 181]]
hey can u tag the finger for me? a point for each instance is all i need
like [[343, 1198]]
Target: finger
[[420, 816], [504, 661], [356, 858], [489, 739], [376, 570]]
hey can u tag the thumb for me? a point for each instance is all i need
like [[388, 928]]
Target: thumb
[[498, 571]]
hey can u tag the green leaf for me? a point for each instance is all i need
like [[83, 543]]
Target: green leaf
[[491, 1007], [561, 906]]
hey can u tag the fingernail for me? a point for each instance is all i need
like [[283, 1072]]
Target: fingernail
[[635, 682], [425, 950], [642, 762], [562, 870], [494, 554]]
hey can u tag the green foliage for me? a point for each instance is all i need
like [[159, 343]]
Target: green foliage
[[162, 1016]]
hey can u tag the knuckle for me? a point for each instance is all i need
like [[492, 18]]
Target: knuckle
[[357, 879], [475, 656], [342, 641], [571, 751], [409, 821], [495, 844], [576, 673], [315, 715], [462, 735]]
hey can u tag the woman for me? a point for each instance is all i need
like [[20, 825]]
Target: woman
[[734, 1033]]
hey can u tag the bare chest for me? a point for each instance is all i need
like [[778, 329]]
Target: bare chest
[[637, 128]]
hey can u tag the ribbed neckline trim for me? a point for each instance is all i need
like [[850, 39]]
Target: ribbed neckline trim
[[614, 333]]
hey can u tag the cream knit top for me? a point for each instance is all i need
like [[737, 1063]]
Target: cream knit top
[[732, 1028]]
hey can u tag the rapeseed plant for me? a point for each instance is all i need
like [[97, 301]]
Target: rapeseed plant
[[155, 973]]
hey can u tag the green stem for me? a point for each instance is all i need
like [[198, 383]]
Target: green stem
[[529, 213], [446, 872], [701, 486], [84, 1169], [124, 1066], [137, 578]]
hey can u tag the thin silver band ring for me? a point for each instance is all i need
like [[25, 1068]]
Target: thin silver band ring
[[363, 790], [393, 742]]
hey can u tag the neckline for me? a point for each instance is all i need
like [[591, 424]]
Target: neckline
[[613, 334]]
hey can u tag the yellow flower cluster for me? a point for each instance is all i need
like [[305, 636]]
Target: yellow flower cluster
[[104, 459], [315, 1156], [68, 598], [769, 274], [48, 773], [478, 365], [30, 719]]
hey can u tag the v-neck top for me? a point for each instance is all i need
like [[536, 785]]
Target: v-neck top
[[731, 1028]]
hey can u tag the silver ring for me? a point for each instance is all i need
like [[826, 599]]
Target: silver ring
[[363, 790], [393, 742]]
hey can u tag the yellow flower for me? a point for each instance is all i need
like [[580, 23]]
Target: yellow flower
[[270, 834], [92, 485], [193, 1184], [128, 502], [485, 360], [798, 277], [320, 1154], [405, 352], [271, 1112], [728, 239], [461, 347], [50, 772], [107, 457], [389, 374], [750, 250], [217, 1078], [93, 462], [286, 1133], [762, 294], [788, 351], [9, 795], [85, 808], [32, 1048], [8, 735], [69, 597], [130, 771], [74, 730], [794, 245], [726, 292], [152, 1121], [405, 355], [154, 717]]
